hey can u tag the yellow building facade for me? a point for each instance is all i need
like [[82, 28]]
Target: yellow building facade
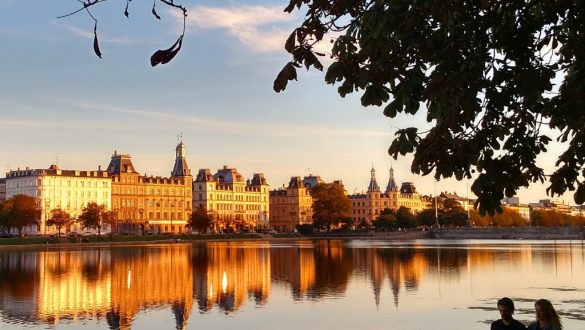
[[368, 206], [234, 203], [291, 206], [149, 203]]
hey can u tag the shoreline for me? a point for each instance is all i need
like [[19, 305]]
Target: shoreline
[[479, 234]]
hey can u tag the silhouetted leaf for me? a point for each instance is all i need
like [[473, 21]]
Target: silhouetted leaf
[[154, 11], [96, 46], [580, 194], [126, 10], [166, 55], [289, 45]]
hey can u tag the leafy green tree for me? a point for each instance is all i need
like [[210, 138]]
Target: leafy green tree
[[425, 218], [452, 214], [386, 221], [59, 219], [200, 220], [95, 216], [305, 228], [21, 211], [4, 224], [330, 205], [508, 218], [404, 218], [492, 77]]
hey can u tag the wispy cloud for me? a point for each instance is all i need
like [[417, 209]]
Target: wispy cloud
[[89, 34], [221, 126], [259, 28]]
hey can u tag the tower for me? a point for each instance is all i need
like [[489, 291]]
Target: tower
[[391, 183], [373, 187], [180, 168]]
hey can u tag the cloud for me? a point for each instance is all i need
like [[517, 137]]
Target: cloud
[[221, 126], [89, 35], [259, 28]]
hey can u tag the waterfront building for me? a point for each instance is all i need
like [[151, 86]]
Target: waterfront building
[[150, 203], [233, 202], [54, 188], [2, 190], [368, 206], [513, 204], [291, 206]]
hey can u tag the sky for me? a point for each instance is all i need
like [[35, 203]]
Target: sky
[[60, 103]]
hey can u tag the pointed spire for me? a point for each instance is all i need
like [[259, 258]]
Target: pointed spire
[[373, 184], [180, 168], [391, 183]]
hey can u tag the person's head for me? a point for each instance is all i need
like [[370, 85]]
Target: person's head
[[506, 308], [546, 313]]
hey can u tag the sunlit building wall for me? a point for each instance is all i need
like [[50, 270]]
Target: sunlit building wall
[[291, 206], [232, 201], [366, 207], [54, 188], [160, 204]]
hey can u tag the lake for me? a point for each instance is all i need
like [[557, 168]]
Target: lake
[[327, 284]]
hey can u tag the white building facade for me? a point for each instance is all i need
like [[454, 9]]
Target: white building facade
[[69, 190]]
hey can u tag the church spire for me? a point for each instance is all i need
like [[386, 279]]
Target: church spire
[[391, 183], [180, 168], [373, 184]]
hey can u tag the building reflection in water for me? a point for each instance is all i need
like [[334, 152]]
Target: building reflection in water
[[226, 274], [116, 284]]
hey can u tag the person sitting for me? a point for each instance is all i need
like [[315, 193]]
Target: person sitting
[[506, 308], [546, 317]]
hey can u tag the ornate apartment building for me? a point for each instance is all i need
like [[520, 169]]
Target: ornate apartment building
[[2, 189], [368, 206], [69, 190], [141, 203], [233, 202], [291, 206]]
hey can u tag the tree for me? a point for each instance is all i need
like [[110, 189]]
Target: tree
[[508, 218], [95, 216], [59, 219], [404, 218], [330, 205], [426, 218], [21, 211], [200, 220], [386, 220], [483, 71], [4, 224], [452, 214]]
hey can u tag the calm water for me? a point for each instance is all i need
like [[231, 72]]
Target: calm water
[[298, 285]]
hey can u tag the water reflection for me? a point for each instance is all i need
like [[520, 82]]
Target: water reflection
[[117, 285]]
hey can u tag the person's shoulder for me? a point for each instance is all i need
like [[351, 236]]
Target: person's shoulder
[[496, 325], [532, 326], [518, 325]]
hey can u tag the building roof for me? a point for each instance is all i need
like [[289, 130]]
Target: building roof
[[392, 186], [258, 179], [408, 188], [373, 186], [312, 180], [180, 168], [204, 175], [120, 163], [54, 170], [228, 175]]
